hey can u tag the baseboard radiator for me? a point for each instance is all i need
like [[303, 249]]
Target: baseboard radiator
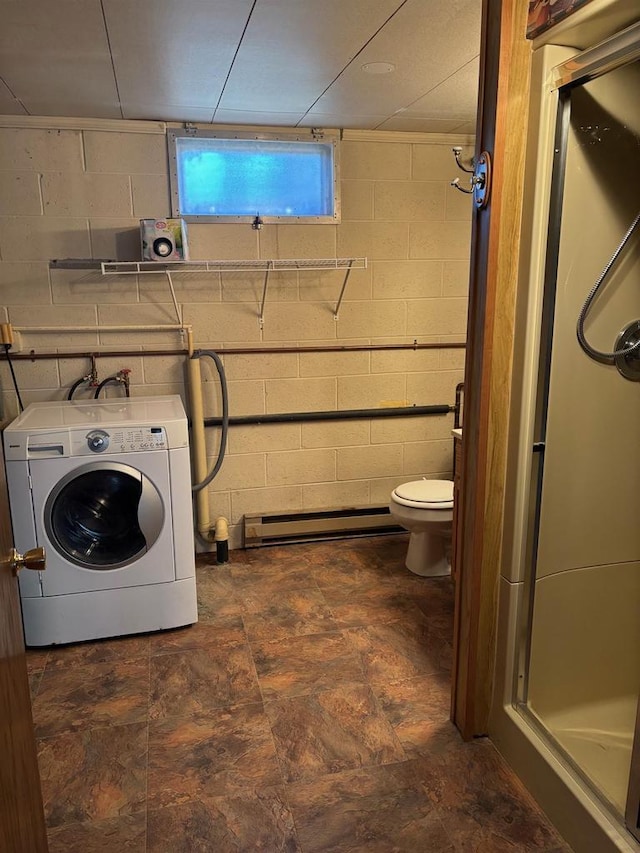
[[276, 528]]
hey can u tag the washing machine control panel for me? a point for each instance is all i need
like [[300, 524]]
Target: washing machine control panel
[[139, 438], [120, 440]]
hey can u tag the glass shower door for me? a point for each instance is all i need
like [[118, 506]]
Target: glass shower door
[[583, 668]]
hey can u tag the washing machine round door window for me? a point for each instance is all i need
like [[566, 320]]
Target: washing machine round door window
[[104, 515]]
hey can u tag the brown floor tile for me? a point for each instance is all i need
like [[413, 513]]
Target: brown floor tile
[[126, 834], [414, 706], [216, 594], [224, 629], [433, 596], [342, 568], [94, 774], [379, 603], [300, 665], [396, 650], [289, 613], [334, 730], [257, 821], [99, 651], [101, 694], [272, 558], [349, 650], [219, 754], [481, 802], [271, 578], [373, 810], [203, 679], [35, 677], [36, 659]]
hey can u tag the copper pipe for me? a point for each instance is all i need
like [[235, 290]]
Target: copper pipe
[[36, 356]]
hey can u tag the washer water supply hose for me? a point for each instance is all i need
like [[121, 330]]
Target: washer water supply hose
[[592, 352], [120, 378], [206, 353]]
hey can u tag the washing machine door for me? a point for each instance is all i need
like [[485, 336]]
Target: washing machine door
[[104, 515]]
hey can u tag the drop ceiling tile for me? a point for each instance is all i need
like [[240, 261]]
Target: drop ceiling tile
[[291, 52], [74, 107], [9, 105], [457, 96], [355, 122], [404, 122], [159, 111], [257, 117], [427, 41], [49, 50], [174, 53], [466, 127]]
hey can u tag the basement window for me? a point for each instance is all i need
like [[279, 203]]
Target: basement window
[[224, 177]]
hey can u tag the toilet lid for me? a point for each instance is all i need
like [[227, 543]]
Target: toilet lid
[[431, 494]]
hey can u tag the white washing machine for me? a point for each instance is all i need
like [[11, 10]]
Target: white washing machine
[[105, 488]]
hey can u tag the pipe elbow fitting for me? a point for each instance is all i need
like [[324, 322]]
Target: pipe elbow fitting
[[222, 529]]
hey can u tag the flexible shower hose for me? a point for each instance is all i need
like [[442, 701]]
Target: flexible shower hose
[[225, 416], [592, 352]]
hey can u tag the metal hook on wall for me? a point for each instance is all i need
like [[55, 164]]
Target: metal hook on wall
[[480, 181]]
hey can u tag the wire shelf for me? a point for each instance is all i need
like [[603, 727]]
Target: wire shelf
[[272, 265]]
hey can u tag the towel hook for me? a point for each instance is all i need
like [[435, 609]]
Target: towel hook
[[480, 181]]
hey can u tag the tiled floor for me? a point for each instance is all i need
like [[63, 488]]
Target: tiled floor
[[307, 711]]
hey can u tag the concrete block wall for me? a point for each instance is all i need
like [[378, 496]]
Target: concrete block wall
[[80, 193]]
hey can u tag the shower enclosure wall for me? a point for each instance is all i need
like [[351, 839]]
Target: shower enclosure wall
[[569, 644]]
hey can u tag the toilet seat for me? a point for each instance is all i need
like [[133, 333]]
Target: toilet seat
[[425, 494]]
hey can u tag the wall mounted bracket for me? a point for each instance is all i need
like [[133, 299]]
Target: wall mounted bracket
[[480, 181]]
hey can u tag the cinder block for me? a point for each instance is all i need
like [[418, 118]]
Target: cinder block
[[335, 433], [407, 279], [437, 317], [301, 395], [372, 319], [357, 200], [125, 153], [35, 150], [41, 238], [375, 160], [301, 466], [330, 495], [20, 194], [445, 240], [373, 240], [24, 284], [86, 194], [275, 499], [409, 201], [359, 463]]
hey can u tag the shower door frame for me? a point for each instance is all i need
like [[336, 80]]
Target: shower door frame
[[615, 52]]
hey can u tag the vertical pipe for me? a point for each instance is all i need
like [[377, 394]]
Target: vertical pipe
[[198, 442]]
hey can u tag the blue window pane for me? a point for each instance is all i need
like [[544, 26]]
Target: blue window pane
[[246, 177]]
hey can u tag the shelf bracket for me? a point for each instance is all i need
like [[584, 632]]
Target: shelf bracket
[[173, 296], [264, 293], [344, 285]]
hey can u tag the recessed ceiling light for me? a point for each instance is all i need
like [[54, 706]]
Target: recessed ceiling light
[[378, 67]]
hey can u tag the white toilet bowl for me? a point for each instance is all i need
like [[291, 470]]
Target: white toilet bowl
[[425, 509]]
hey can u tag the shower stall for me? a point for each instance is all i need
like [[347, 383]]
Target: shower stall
[[575, 596]]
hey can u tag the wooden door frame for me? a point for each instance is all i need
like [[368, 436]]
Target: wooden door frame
[[22, 825], [505, 63]]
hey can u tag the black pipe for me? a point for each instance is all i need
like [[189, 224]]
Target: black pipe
[[342, 415], [7, 347]]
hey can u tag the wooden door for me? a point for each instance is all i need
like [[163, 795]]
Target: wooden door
[[22, 828], [505, 60]]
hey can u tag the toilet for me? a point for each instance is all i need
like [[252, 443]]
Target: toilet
[[425, 509]]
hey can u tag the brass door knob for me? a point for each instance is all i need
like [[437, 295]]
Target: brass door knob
[[34, 558]]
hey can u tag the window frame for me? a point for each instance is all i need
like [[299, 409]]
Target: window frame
[[307, 137]]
